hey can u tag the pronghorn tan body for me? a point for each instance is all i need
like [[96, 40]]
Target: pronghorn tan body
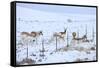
[[59, 35], [36, 34], [28, 37], [82, 39]]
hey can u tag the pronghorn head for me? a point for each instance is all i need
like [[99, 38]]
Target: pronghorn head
[[40, 33]]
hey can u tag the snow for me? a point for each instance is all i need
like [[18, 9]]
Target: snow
[[29, 20], [70, 55]]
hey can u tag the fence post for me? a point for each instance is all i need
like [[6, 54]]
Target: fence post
[[43, 48], [27, 50], [92, 34], [67, 40], [56, 43], [86, 31], [78, 36]]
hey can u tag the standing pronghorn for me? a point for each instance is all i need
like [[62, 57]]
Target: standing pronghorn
[[30, 37], [59, 35]]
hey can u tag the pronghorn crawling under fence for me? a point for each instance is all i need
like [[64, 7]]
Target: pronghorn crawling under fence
[[81, 39], [84, 37]]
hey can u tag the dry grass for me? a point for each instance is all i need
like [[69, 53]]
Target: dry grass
[[86, 59], [93, 48], [63, 49], [26, 61], [78, 60]]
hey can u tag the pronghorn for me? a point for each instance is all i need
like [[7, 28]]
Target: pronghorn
[[59, 35], [82, 39], [74, 36], [28, 37]]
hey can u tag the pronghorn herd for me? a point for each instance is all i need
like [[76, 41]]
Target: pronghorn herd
[[28, 37], [61, 36]]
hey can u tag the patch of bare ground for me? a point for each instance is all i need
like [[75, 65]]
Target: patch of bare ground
[[26, 61], [63, 49], [78, 60], [93, 48]]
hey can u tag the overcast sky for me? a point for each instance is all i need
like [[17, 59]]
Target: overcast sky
[[60, 9]]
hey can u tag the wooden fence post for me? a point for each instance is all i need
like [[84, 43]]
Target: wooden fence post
[[86, 31], [67, 40], [78, 36], [43, 48], [92, 34], [56, 43], [27, 50]]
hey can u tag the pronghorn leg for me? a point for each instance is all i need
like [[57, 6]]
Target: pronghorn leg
[[65, 41], [56, 43], [36, 41]]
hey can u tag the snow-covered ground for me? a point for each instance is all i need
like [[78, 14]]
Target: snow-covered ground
[[73, 53], [30, 52]]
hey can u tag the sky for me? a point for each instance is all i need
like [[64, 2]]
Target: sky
[[59, 8]]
